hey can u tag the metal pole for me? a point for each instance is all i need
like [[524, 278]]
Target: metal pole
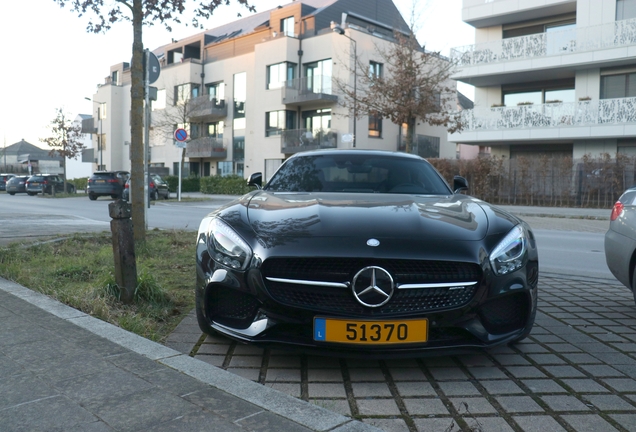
[[146, 134], [355, 89]]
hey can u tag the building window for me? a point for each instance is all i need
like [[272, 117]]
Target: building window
[[101, 111], [375, 70], [287, 26], [278, 121], [536, 94], [240, 94], [375, 125], [185, 92], [271, 165], [618, 86], [114, 77], [216, 91], [625, 9], [184, 173], [317, 120], [224, 168], [280, 73], [216, 129], [318, 75], [160, 103]]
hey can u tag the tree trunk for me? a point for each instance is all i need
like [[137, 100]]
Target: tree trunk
[[410, 132], [136, 128]]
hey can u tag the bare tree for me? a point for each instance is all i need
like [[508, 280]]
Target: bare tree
[[140, 13], [414, 85], [65, 139]]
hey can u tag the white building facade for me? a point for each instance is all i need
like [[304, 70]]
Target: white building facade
[[554, 77], [255, 91]]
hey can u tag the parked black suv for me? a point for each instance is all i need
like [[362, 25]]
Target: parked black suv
[[46, 184], [106, 183]]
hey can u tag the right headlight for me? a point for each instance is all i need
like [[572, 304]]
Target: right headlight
[[509, 254], [226, 246]]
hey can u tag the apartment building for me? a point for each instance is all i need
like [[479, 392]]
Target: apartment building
[[551, 77], [254, 91]]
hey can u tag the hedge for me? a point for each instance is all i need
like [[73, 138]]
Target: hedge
[[228, 185], [188, 184]]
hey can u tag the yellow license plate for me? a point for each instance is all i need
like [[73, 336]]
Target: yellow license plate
[[100, 181], [370, 332]]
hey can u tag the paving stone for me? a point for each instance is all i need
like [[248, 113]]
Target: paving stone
[[538, 423], [407, 374], [370, 390], [500, 387], [585, 386], [452, 388], [476, 405], [222, 403], [546, 359], [415, 389], [628, 421], [366, 374], [487, 373], [266, 421], [290, 389], [326, 390], [525, 372], [375, 407], [564, 347], [475, 360], [214, 360], [609, 403], [581, 359], [439, 362], [425, 406], [56, 412], [531, 348], [246, 361], [436, 424], [564, 403], [615, 358], [446, 374], [286, 375], [319, 362], [563, 371], [600, 371], [284, 362], [490, 424], [241, 349], [512, 360], [247, 373], [588, 423], [518, 404], [388, 425], [621, 384], [197, 421], [324, 375], [340, 406], [216, 349]]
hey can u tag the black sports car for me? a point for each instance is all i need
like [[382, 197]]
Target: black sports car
[[355, 252]]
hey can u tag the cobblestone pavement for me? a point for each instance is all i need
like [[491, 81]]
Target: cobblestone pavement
[[576, 372]]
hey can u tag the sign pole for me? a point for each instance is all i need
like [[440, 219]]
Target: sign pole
[[180, 135]]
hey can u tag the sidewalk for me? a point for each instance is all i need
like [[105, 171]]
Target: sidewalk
[[63, 370]]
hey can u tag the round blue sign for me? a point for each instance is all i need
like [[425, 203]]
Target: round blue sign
[[180, 134]]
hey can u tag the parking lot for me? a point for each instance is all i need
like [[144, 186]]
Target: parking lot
[[574, 373]]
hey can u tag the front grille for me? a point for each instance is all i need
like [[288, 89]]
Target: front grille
[[341, 300], [505, 314]]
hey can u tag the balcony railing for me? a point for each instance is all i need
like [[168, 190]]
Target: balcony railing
[[297, 140], [583, 113], [569, 41], [206, 147], [308, 89], [204, 107], [422, 145]]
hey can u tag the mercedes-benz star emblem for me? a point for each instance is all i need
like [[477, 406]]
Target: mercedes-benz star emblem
[[373, 286], [373, 242]]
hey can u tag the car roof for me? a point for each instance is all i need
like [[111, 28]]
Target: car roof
[[331, 152]]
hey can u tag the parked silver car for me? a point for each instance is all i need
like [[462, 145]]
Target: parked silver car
[[620, 240]]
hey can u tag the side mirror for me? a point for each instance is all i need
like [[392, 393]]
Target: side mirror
[[459, 184], [255, 179]]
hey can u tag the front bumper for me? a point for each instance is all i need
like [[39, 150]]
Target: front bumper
[[241, 306]]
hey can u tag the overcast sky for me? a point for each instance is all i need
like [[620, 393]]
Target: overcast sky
[[50, 61]]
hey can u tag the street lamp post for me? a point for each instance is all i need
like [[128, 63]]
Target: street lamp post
[[99, 137], [341, 31]]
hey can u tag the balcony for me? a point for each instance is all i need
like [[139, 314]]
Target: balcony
[[204, 108], [607, 44], [309, 90], [423, 145], [297, 140], [606, 118], [206, 147], [488, 13]]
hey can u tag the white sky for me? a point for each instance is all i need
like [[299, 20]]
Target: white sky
[[50, 61]]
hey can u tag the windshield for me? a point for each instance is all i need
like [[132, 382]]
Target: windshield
[[358, 173]]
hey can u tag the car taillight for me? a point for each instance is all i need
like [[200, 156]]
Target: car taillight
[[152, 185], [617, 210], [113, 181], [44, 182], [126, 186]]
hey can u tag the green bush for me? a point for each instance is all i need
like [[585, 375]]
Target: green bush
[[228, 185], [188, 184], [80, 183]]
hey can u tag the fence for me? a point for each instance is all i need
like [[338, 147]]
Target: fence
[[594, 182]]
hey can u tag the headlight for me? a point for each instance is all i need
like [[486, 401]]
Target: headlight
[[226, 246], [508, 255]]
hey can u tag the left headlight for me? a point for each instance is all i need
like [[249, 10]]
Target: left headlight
[[226, 246], [509, 254]]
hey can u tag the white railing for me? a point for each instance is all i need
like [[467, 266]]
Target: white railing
[[569, 41], [583, 113]]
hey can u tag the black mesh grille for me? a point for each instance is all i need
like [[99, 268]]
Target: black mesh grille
[[341, 300], [505, 314], [231, 307]]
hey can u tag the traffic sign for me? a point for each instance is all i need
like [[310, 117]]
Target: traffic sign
[[180, 134]]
